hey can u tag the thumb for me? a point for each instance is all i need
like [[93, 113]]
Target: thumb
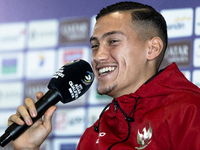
[[47, 120]]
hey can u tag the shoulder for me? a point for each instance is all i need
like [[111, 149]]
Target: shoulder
[[90, 131], [183, 98], [183, 106]]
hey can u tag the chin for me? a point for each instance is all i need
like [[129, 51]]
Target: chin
[[106, 90], [101, 92]]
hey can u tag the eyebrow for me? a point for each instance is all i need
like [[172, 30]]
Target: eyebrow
[[107, 34]]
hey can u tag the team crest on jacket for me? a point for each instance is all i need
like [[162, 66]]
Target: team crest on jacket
[[144, 138]]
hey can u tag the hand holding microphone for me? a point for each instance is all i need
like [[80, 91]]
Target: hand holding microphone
[[69, 83]]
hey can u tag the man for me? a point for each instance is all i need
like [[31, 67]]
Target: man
[[150, 109]]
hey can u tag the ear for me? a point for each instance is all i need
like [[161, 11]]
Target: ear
[[155, 48]]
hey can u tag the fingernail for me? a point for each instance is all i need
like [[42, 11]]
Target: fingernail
[[21, 122], [33, 114], [29, 121]]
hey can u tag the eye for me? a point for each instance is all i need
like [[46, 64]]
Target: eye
[[94, 46], [113, 42]]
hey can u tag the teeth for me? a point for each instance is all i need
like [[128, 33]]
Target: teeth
[[105, 70]]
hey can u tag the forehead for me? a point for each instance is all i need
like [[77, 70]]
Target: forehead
[[113, 22]]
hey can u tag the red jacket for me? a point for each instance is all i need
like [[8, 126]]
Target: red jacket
[[166, 117]]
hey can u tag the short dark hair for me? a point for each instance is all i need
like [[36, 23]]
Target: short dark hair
[[146, 17]]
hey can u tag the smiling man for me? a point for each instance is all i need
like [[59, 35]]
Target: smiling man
[[122, 60], [151, 109]]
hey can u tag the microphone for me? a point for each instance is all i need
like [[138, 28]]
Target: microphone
[[67, 84]]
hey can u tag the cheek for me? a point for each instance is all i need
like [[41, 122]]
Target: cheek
[[130, 64]]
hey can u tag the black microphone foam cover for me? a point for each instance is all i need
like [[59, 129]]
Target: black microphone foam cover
[[72, 80]]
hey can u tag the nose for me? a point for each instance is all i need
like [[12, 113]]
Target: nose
[[102, 54]]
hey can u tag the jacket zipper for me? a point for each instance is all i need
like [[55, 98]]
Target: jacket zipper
[[115, 109]]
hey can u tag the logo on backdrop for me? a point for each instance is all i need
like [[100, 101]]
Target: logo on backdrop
[[196, 56], [43, 64], [178, 52], [71, 55], [9, 66], [179, 22], [12, 36], [33, 86], [11, 94], [68, 54], [69, 121], [197, 21], [195, 77], [74, 31], [43, 33]]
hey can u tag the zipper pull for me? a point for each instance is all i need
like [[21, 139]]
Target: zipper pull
[[115, 105]]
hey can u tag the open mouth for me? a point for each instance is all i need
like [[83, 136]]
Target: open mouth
[[106, 70]]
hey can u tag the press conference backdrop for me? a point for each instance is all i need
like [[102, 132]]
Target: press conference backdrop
[[38, 37]]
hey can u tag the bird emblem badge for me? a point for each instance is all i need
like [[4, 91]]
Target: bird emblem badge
[[144, 139]]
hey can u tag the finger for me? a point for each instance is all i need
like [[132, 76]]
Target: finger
[[16, 119], [30, 106], [48, 117], [24, 114], [38, 95]]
